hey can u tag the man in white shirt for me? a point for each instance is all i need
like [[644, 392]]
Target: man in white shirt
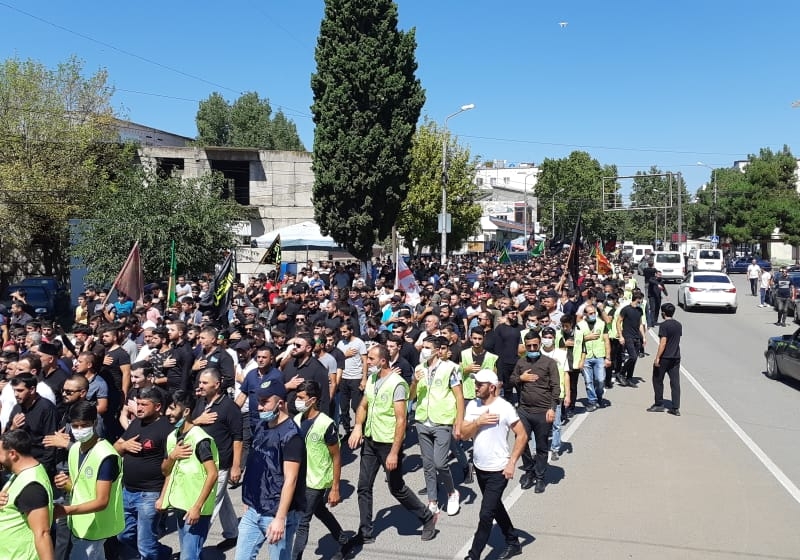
[[27, 364], [753, 274], [487, 420]]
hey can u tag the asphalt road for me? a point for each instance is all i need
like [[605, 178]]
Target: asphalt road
[[720, 482]]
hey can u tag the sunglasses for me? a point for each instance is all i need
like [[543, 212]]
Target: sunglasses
[[69, 392]]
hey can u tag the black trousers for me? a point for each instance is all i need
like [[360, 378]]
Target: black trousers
[[492, 485], [350, 397], [373, 457], [504, 372], [753, 286], [672, 368], [616, 360], [315, 505], [653, 309], [632, 345], [535, 423], [574, 375]]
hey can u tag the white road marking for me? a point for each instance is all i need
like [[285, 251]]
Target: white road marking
[[517, 492], [774, 469]]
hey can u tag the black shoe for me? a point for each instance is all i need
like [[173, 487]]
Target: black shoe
[[526, 481], [622, 382], [571, 412], [234, 485], [510, 550], [674, 412], [602, 403], [539, 486], [656, 408], [554, 455], [778, 324], [423, 492], [429, 528], [591, 407], [347, 548], [609, 385], [469, 473], [227, 544]]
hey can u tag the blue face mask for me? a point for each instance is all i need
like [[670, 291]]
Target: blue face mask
[[269, 415], [592, 318], [533, 353]]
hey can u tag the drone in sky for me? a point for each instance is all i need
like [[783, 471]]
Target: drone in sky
[[563, 24]]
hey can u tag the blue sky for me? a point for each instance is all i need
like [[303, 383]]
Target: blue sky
[[633, 83]]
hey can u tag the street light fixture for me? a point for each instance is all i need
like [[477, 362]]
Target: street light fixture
[[714, 181], [443, 218]]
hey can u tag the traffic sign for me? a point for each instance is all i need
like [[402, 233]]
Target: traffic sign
[[714, 238]]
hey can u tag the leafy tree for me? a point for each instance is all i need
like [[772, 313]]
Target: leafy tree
[[654, 191], [574, 184], [250, 124], [214, 121], [245, 124], [155, 210], [58, 143], [367, 102], [417, 221]]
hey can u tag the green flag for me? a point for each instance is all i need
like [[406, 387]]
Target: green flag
[[173, 276], [504, 258], [538, 251]]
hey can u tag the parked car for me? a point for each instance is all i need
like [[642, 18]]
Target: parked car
[[706, 259], [707, 289], [39, 299], [739, 265], [794, 278], [783, 356]]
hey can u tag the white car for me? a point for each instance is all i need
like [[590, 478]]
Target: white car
[[707, 289]]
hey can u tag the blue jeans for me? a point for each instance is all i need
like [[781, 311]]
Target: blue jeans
[[763, 293], [192, 537], [594, 374], [87, 550], [555, 442], [140, 535], [253, 534]]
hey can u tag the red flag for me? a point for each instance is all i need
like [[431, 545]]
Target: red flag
[[602, 264], [130, 280]]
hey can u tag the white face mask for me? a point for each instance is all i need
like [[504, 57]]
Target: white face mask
[[425, 354], [82, 435], [372, 370], [548, 342], [300, 405]]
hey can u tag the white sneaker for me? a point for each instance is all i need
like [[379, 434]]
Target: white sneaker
[[434, 507], [453, 503]]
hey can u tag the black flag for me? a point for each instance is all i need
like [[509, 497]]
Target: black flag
[[273, 254], [574, 251], [220, 291]]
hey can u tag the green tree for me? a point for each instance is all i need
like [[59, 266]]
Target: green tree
[[250, 123], [57, 133], [418, 218], [574, 184], [213, 121], [654, 190], [245, 124], [155, 210], [367, 102]]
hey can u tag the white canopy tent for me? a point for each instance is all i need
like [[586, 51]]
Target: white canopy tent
[[297, 237]]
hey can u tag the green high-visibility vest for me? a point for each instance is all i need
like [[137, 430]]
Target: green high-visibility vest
[[592, 348], [468, 384], [188, 475], [560, 357], [435, 398], [319, 463], [381, 420], [106, 522], [17, 536]]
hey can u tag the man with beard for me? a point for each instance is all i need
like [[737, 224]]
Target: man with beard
[[26, 510], [264, 374], [51, 374], [143, 447], [214, 357], [354, 376], [116, 371], [35, 415], [592, 338], [304, 366], [97, 389], [506, 343], [178, 366], [219, 416]]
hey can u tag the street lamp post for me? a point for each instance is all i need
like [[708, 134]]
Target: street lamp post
[[444, 179], [525, 202], [714, 211]]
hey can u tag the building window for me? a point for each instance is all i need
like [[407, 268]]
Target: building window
[[237, 179], [506, 180], [493, 181], [168, 167]]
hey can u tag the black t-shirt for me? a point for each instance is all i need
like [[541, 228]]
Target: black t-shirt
[[41, 419], [312, 369], [141, 472], [672, 330], [112, 374], [406, 371], [56, 382], [631, 320], [32, 497], [506, 341], [225, 430]]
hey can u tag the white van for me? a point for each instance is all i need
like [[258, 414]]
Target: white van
[[671, 265], [639, 252], [707, 259]]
